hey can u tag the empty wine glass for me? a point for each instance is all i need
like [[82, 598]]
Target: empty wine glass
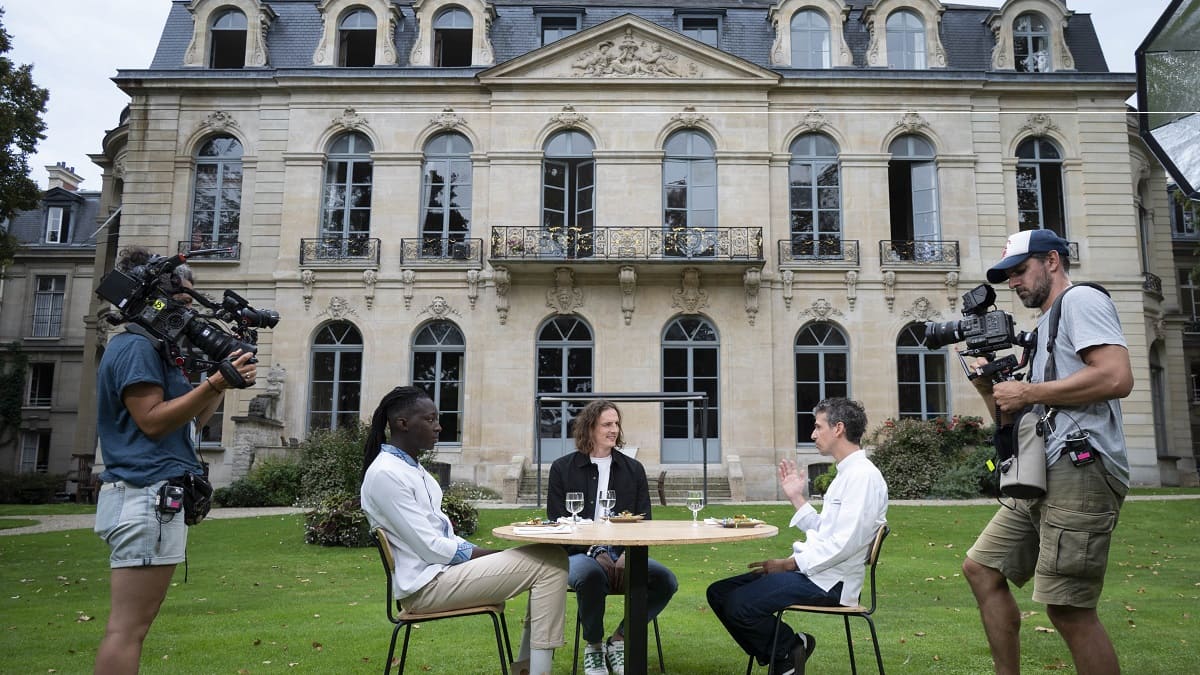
[[695, 502], [608, 499], [574, 505]]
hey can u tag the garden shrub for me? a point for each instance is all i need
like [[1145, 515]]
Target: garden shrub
[[820, 484], [331, 462], [271, 482], [914, 456], [31, 488], [463, 516], [337, 520], [468, 490]]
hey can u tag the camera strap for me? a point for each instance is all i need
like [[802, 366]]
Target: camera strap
[[1051, 370], [231, 374], [168, 351]]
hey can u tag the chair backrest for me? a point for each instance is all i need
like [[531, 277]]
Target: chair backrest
[[873, 559], [389, 566]]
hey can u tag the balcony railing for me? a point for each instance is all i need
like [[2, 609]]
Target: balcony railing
[[199, 243], [921, 252], [627, 243], [836, 252], [335, 251], [1152, 283], [441, 251]]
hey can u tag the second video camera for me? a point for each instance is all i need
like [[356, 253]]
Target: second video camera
[[985, 332]]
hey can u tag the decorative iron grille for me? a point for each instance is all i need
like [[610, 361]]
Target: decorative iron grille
[[441, 251], [347, 251], [921, 252], [818, 252], [231, 244], [627, 243]]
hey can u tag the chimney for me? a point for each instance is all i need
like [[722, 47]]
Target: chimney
[[63, 176]]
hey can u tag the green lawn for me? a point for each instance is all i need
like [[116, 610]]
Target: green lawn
[[258, 600]]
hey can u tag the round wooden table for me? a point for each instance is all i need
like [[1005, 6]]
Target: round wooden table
[[637, 538]]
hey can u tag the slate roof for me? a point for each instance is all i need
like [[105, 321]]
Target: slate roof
[[745, 32], [29, 227]]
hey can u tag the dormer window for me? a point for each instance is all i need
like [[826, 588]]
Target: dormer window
[[356, 39], [1031, 44], [557, 27], [905, 41], [452, 30], [810, 39], [228, 40], [58, 225], [701, 28]]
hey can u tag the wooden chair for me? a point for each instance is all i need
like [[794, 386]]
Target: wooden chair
[[662, 666], [403, 618], [845, 612]]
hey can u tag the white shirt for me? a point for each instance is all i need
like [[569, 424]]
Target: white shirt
[[837, 539], [604, 468]]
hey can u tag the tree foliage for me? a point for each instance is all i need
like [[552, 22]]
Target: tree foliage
[[21, 106]]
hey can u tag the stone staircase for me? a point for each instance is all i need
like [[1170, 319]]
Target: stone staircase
[[675, 486]]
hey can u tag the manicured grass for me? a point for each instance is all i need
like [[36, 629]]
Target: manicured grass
[[13, 523], [259, 600], [45, 509]]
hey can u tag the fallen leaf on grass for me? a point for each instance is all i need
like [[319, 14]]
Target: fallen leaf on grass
[[1057, 665], [1044, 629], [920, 633], [318, 646]]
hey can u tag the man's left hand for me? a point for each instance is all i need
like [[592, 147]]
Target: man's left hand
[[773, 566], [1012, 395]]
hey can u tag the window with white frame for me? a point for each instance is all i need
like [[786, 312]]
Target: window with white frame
[[35, 451], [814, 195], [335, 384], [913, 191], [1189, 300], [1031, 43], [48, 297], [810, 39], [356, 39], [569, 192], [438, 362], [1040, 203], [217, 194], [704, 29], [691, 363], [689, 194], [921, 376], [58, 225], [558, 26], [1184, 215], [446, 194], [905, 40], [211, 432], [346, 213], [40, 393], [228, 48], [822, 370], [453, 35], [565, 350]]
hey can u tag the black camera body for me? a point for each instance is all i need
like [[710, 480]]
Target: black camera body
[[144, 296], [985, 330]]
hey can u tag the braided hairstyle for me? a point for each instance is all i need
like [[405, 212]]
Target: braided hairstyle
[[395, 404]]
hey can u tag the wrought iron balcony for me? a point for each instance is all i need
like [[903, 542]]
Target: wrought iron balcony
[[233, 248], [453, 251], [918, 253], [627, 243], [1152, 283], [802, 252], [338, 251]]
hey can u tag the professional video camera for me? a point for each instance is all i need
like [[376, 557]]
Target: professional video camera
[[145, 296], [985, 332]]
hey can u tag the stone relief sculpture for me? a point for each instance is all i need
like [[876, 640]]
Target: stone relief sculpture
[[472, 287], [752, 280], [921, 310], [564, 297], [889, 288], [409, 279], [821, 310], [447, 119], [851, 287], [788, 277], [689, 297], [627, 278], [630, 58], [502, 280], [309, 279], [370, 277], [952, 288], [438, 308]]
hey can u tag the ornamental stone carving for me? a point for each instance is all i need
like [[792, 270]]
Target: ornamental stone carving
[[564, 298], [438, 308], [447, 120], [889, 289], [788, 277], [472, 287], [689, 297], [309, 279], [813, 120], [912, 122], [408, 278], [1039, 124], [922, 310], [627, 278], [752, 280], [502, 280], [821, 310], [370, 277], [952, 288], [851, 287], [689, 117], [218, 121], [568, 117], [630, 58], [349, 120], [339, 308]]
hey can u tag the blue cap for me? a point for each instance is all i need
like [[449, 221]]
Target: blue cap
[[1022, 245]]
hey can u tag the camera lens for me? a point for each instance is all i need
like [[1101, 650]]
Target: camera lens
[[938, 335], [258, 318], [215, 343]]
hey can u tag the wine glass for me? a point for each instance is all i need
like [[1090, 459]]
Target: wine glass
[[608, 499], [574, 505], [695, 502]]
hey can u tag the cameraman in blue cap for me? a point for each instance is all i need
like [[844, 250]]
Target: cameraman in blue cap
[[1059, 540]]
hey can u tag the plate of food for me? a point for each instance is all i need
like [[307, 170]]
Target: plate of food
[[626, 517], [535, 522], [740, 521]]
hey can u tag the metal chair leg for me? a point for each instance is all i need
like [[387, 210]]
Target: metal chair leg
[[387, 665], [875, 641], [404, 650], [575, 659], [507, 643], [500, 645], [662, 665], [850, 646]]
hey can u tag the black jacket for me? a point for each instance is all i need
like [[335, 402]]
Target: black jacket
[[576, 473]]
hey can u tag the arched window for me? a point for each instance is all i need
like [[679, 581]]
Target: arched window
[[446, 195], [569, 193], [815, 197], [438, 368], [689, 195], [564, 366], [356, 38], [913, 196], [1040, 203], [810, 39], [452, 38], [228, 48], [690, 363], [217, 195], [335, 380], [921, 376], [822, 371], [1031, 44], [346, 212], [905, 40]]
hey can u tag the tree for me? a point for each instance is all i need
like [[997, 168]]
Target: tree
[[21, 106]]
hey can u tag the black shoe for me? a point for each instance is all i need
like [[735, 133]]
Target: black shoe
[[783, 666], [805, 644]]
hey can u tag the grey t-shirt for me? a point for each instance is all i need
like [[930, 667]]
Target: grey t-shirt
[[1088, 319]]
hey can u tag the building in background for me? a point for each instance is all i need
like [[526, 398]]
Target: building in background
[[763, 201]]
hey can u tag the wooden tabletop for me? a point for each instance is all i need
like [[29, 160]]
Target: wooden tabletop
[[642, 533]]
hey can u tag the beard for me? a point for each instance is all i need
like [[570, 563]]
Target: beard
[[1036, 294]]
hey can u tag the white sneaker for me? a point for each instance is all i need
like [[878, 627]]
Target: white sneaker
[[593, 660], [616, 657]]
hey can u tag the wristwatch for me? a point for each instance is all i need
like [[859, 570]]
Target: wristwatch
[[596, 549]]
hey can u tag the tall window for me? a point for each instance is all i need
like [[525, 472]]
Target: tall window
[[822, 370], [335, 386], [921, 376], [905, 41], [211, 432], [912, 190], [346, 220], [810, 39], [58, 225], [568, 191], [1040, 187], [438, 358], [35, 451], [815, 199], [1031, 44], [1184, 215], [701, 28], [452, 38], [1189, 301], [217, 194], [689, 194], [356, 39], [557, 27], [564, 366], [446, 195], [48, 305], [41, 385], [228, 40], [690, 363]]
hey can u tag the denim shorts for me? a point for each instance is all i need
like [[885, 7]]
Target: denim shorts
[[128, 520]]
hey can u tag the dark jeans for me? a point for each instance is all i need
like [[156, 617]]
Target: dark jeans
[[746, 605], [590, 582]]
